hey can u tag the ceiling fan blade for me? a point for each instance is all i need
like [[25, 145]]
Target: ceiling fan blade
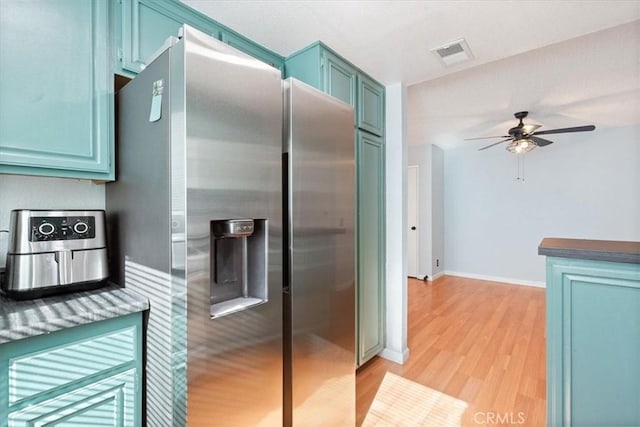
[[528, 129], [487, 137], [541, 142], [566, 130], [495, 143]]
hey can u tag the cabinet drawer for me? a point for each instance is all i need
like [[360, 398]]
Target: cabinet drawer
[[110, 402], [45, 370]]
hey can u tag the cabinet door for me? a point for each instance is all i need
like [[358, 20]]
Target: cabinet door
[[339, 78], [370, 105], [254, 50], [146, 25], [593, 343], [56, 103], [81, 376], [109, 402], [370, 248]]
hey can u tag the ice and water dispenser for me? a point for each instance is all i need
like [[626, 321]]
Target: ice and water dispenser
[[238, 264]]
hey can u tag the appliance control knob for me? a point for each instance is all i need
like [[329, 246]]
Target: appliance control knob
[[81, 227], [46, 228]]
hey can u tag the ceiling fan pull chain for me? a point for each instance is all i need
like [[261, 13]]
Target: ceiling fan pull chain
[[520, 167]]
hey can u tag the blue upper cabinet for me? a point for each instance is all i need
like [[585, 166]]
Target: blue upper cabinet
[[322, 68], [339, 78], [142, 26], [56, 103], [370, 105]]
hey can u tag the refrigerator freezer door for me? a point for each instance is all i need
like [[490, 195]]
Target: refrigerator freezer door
[[319, 145], [232, 159]]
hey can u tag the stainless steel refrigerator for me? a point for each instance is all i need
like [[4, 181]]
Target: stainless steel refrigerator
[[196, 223], [320, 266]]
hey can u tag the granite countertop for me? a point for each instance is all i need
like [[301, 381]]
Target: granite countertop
[[599, 250], [28, 318]]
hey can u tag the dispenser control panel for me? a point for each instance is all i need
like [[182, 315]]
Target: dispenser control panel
[[47, 228]]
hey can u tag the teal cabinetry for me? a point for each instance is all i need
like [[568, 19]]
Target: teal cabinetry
[[370, 105], [325, 70], [85, 375], [142, 27], [371, 247], [339, 77], [56, 103], [593, 343]]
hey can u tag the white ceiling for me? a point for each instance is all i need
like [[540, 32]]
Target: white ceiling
[[593, 79], [391, 39]]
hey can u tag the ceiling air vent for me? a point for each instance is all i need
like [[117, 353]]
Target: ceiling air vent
[[453, 52]]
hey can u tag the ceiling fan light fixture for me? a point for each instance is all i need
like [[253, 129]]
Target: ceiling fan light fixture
[[521, 146]]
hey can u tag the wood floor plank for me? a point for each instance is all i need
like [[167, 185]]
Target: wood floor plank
[[481, 343]]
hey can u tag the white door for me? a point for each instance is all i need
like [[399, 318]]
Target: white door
[[412, 221]]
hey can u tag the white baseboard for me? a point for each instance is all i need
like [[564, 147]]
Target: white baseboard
[[436, 276], [395, 356], [497, 279]]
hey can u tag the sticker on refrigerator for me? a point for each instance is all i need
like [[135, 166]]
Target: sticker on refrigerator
[[156, 101]]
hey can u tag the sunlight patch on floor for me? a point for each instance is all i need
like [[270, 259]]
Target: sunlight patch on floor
[[401, 402]]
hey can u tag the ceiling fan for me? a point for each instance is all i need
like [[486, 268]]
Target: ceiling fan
[[524, 138]]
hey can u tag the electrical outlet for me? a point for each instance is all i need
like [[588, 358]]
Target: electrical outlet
[[437, 263]]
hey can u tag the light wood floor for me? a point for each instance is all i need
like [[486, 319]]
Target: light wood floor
[[479, 342]]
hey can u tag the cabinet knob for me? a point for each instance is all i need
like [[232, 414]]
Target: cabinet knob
[[413, 228]]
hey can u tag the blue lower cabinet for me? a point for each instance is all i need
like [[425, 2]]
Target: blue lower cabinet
[[593, 343], [108, 402], [82, 376]]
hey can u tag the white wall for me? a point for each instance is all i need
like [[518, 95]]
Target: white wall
[[437, 211], [30, 192], [396, 348], [585, 186]]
